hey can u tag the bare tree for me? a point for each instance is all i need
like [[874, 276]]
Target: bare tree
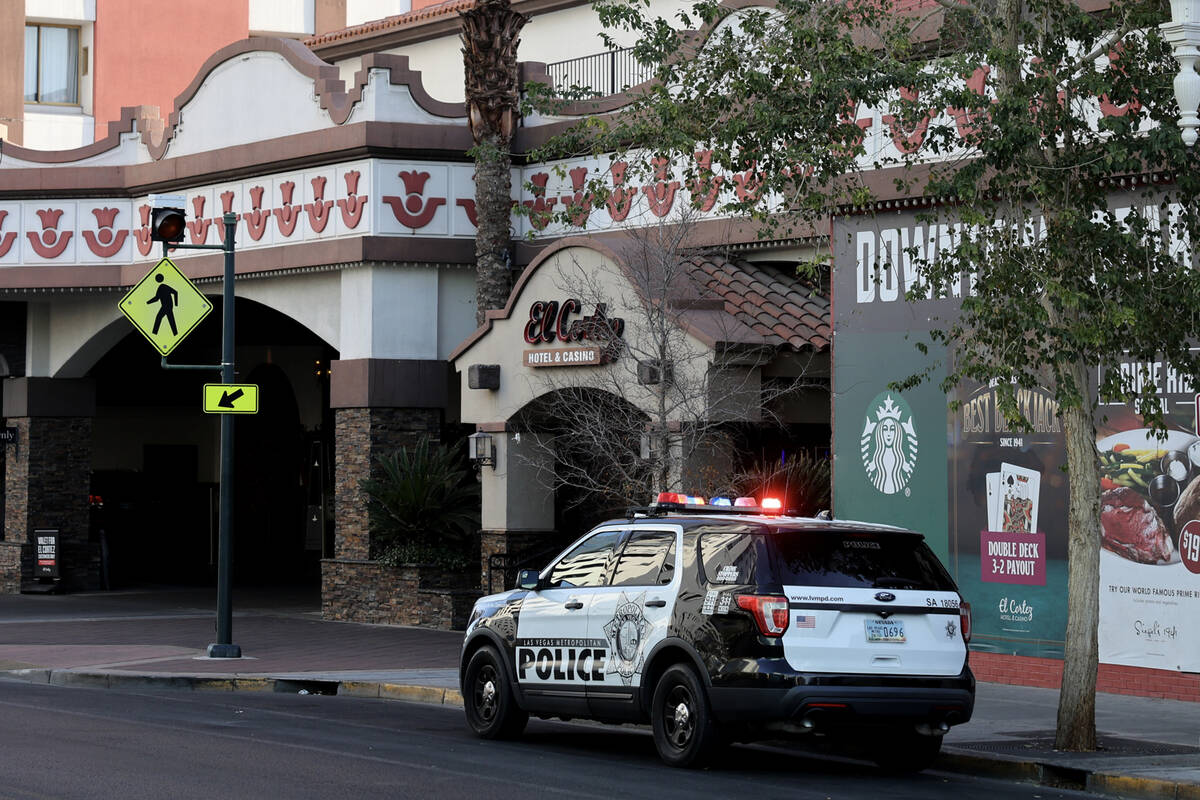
[[687, 372]]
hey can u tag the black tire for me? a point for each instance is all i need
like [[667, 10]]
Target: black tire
[[907, 752], [685, 732], [492, 711]]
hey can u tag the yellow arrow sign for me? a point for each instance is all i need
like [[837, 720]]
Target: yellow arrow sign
[[165, 306], [230, 398]]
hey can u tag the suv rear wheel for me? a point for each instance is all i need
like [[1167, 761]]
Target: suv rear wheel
[[491, 708], [685, 732]]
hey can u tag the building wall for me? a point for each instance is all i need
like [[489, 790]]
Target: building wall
[[12, 71], [293, 18], [555, 36], [154, 60], [360, 11]]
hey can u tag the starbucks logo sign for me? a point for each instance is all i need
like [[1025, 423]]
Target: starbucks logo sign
[[889, 444]]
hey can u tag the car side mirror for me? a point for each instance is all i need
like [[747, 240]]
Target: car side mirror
[[528, 579]]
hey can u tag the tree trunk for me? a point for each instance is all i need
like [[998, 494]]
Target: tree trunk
[[493, 204], [490, 38], [1076, 728]]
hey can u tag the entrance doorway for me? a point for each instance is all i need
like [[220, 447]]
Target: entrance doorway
[[156, 457]]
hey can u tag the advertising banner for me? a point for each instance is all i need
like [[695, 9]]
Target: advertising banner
[[1150, 521], [1008, 495], [993, 500]]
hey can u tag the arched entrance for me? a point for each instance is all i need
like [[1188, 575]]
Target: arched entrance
[[156, 456], [588, 452]]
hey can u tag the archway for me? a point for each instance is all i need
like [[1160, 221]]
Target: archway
[[156, 455], [591, 442], [269, 499]]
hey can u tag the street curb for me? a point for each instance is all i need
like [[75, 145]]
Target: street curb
[[231, 683], [117, 680], [1133, 786], [1064, 777], [421, 694]]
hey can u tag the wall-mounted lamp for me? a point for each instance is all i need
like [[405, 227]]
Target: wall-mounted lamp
[[481, 449], [1183, 32]]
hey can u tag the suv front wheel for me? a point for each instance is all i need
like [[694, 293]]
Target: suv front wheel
[[491, 708], [685, 732]]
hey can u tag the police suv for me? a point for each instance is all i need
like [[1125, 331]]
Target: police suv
[[717, 622]]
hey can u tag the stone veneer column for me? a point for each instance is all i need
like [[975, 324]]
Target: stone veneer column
[[379, 405], [361, 435], [48, 476]]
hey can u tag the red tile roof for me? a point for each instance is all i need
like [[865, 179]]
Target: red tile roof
[[443, 9], [777, 307]]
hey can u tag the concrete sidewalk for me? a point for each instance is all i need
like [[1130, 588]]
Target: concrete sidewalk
[[157, 638]]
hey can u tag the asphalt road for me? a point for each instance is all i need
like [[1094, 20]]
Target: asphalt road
[[58, 742]]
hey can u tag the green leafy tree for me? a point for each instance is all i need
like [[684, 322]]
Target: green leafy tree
[[1021, 118], [425, 505]]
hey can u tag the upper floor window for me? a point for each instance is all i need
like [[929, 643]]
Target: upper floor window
[[51, 64]]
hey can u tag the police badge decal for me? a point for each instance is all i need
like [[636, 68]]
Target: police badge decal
[[626, 632]]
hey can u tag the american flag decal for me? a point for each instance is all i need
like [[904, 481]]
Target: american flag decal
[[803, 621]]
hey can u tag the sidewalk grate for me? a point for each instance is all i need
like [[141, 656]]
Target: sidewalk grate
[[1107, 745]]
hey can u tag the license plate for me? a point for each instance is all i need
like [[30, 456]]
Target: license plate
[[882, 630]]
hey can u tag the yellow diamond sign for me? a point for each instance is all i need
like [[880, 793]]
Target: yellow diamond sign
[[165, 306]]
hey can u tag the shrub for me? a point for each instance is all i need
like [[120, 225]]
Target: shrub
[[425, 506], [802, 483]]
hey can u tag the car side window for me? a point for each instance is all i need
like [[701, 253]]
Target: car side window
[[643, 561], [587, 564]]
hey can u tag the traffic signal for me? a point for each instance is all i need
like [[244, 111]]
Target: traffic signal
[[167, 225]]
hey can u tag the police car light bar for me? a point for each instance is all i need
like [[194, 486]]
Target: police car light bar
[[678, 501]]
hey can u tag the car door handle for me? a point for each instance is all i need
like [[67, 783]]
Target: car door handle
[[573, 604], [655, 603]]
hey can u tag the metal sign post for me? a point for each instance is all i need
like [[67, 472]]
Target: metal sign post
[[224, 646]]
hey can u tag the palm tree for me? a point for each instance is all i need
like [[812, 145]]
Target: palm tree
[[490, 38]]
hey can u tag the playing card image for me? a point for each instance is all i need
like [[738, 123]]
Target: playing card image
[[1019, 489], [993, 500]]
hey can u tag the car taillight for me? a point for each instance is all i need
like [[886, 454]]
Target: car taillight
[[770, 612], [964, 620]]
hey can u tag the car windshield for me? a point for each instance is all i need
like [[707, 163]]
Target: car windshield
[[857, 559]]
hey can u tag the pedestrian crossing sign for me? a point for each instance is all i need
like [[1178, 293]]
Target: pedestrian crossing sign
[[165, 306]]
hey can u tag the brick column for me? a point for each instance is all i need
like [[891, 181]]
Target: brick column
[[48, 474]]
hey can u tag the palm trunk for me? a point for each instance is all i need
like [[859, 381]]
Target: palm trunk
[[490, 39], [493, 189]]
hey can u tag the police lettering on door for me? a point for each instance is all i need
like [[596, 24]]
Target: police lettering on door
[[561, 659]]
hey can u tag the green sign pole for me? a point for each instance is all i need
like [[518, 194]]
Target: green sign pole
[[224, 646]]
